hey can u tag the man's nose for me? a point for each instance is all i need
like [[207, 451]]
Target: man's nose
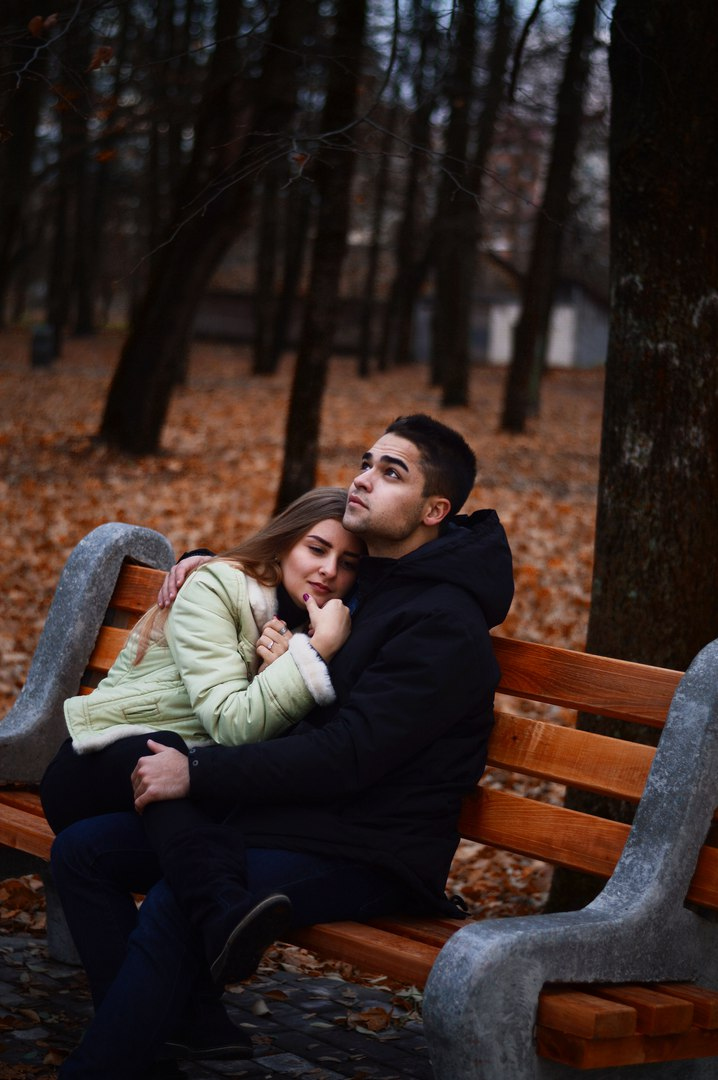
[[361, 480]]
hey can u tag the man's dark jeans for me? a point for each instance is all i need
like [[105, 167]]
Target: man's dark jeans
[[145, 967]]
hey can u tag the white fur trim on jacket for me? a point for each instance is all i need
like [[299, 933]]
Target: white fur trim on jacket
[[90, 743], [262, 600], [312, 669]]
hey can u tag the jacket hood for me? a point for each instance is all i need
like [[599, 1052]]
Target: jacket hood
[[473, 554]]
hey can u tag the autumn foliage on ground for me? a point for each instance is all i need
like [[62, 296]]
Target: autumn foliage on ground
[[216, 477]]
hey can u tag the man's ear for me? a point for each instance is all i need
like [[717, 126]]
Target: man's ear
[[436, 510]]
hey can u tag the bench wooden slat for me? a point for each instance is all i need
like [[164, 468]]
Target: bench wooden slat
[[565, 838], [595, 684], [550, 833], [25, 832], [581, 1012], [633, 1050], [109, 642], [657, 1012], [137, 588], [371, 949], [434, 932], [22, 799], [704, 1002], [578, 758], [704, 886]]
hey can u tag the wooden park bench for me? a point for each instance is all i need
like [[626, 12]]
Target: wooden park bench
[[624, 987]]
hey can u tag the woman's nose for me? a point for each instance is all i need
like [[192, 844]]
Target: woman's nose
[[329, 568]]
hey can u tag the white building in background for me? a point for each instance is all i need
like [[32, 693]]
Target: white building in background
[[578, 333]]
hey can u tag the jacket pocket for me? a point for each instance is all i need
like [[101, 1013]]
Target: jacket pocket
[[140, 712]]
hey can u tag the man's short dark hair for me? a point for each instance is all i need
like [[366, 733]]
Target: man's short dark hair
[[448, 462]]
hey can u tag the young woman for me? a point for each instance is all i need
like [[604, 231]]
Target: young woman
[[221, 665]]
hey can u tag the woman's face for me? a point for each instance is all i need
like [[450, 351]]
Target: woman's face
[[323, 563]]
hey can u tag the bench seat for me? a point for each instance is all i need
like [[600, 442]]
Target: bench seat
[[584, 1027], [630, 981]]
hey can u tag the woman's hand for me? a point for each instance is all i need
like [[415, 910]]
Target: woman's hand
[[330, 625], [176, 576], [273, 641]]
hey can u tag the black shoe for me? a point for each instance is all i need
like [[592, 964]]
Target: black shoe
[[250, 938], [230, 1047]]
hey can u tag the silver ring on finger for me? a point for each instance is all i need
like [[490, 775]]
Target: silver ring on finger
[[271, 645], [283, 630]]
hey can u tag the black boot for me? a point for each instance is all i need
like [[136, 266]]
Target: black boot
[[236, 942], [207, 1034], [205, 868]]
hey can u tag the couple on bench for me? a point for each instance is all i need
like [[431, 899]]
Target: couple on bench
[[284, 740]]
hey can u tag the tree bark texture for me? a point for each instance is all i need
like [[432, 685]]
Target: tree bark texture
[[457, 305], [265, 300], [298, 202], [333, 177], [68, 269], [453, 248], [368, 308], [411, 246], [243, 125], [656, 570], [18, 120], [655, 577], [531, 332]]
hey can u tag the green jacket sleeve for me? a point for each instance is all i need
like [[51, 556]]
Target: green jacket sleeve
[[211, 632]]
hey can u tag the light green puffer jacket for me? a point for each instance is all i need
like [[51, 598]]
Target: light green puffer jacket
[[200, 678]]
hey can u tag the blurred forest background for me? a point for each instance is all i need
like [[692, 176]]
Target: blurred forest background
[[394, 180], [436, 201]]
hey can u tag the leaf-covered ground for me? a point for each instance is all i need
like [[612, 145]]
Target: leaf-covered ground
[[216, 476]]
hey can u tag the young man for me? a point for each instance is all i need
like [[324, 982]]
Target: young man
[[353, 813]]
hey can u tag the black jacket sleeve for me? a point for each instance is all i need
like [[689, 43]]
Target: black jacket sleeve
[[438, 671], [196, 551]]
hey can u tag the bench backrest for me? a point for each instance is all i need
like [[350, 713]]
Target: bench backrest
[[537, 751]]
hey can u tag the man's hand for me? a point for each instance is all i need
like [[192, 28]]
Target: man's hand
[[163, 776], [176, 576]]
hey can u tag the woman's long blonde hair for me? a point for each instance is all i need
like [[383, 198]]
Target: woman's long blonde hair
[[259, 555]]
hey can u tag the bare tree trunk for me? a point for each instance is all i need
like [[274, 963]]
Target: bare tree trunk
[[457, 304], [102, 189], [368, 308], [411, 245], [333, 177], [453, 248], [19, 121], [242, 124], [531, 333], [655, 577], [266, 275], [74, 106], [297, 216], [84, 277]]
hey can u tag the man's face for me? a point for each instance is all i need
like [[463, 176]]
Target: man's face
[[386, 504]]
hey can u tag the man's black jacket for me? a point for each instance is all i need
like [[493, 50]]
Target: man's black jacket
[[378, 777]]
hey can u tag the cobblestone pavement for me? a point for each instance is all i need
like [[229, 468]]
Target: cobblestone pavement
[[302, 1025]]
